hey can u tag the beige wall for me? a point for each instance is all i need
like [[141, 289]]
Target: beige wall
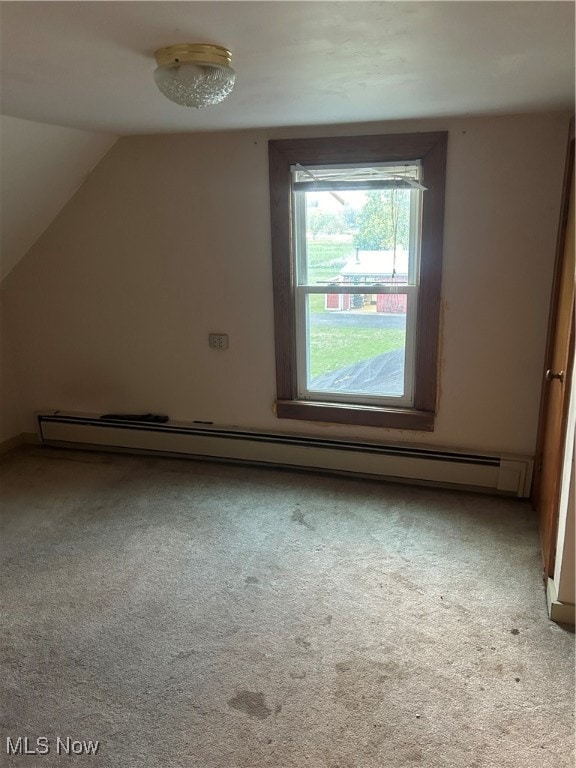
[[169, 239], [41, 168], [13, 411]]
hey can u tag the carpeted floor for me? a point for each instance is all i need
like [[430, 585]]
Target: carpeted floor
[[194, 615]]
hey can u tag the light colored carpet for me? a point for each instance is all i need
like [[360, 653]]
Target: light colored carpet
[[195, 615]]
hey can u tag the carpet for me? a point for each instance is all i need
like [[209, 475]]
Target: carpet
[[186, 614]]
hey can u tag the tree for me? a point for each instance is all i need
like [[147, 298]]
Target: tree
[[350, 216], [325, 222], [383, 222]]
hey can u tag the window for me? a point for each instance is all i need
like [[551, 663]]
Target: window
[[357, 246]]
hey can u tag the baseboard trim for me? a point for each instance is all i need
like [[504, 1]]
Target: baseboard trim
[[24, 438], [561, 613], [502, 474]]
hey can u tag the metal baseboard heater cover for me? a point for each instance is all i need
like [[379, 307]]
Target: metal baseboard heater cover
[[510, 475]]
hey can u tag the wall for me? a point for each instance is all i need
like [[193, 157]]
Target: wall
[[13, 410], [169, 239], [42, 166]]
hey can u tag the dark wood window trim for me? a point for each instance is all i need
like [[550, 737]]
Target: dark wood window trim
[[430, 149]]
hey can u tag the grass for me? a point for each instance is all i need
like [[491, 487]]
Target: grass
[[333, 347]]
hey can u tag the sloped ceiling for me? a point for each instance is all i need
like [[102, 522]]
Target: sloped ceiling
[[41, 168]]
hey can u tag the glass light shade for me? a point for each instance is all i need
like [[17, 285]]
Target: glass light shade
[[195, 85]]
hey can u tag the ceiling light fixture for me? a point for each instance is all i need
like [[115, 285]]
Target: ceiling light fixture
[[194, 74]]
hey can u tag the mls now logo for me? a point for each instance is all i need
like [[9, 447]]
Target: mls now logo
[[24, 745]]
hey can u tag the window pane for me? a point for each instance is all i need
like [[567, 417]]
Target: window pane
[[357, 237], [356, 226], [356, 344]]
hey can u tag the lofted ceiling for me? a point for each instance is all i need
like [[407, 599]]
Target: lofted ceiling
[[89, 65]]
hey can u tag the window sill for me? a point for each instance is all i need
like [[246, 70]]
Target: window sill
[[359, 415]]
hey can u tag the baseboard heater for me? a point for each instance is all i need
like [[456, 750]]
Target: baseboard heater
[[511, 475]]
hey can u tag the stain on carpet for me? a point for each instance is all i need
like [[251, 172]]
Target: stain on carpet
[[358, 681], [252, 703], [298, 517]]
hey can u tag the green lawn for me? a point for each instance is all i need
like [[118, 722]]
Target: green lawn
[[333, 347]]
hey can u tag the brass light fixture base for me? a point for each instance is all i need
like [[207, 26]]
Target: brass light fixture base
[[199, 53]]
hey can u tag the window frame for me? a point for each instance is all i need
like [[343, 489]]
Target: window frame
[[430, 149]]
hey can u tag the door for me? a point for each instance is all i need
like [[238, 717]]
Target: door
[[557, 377]]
